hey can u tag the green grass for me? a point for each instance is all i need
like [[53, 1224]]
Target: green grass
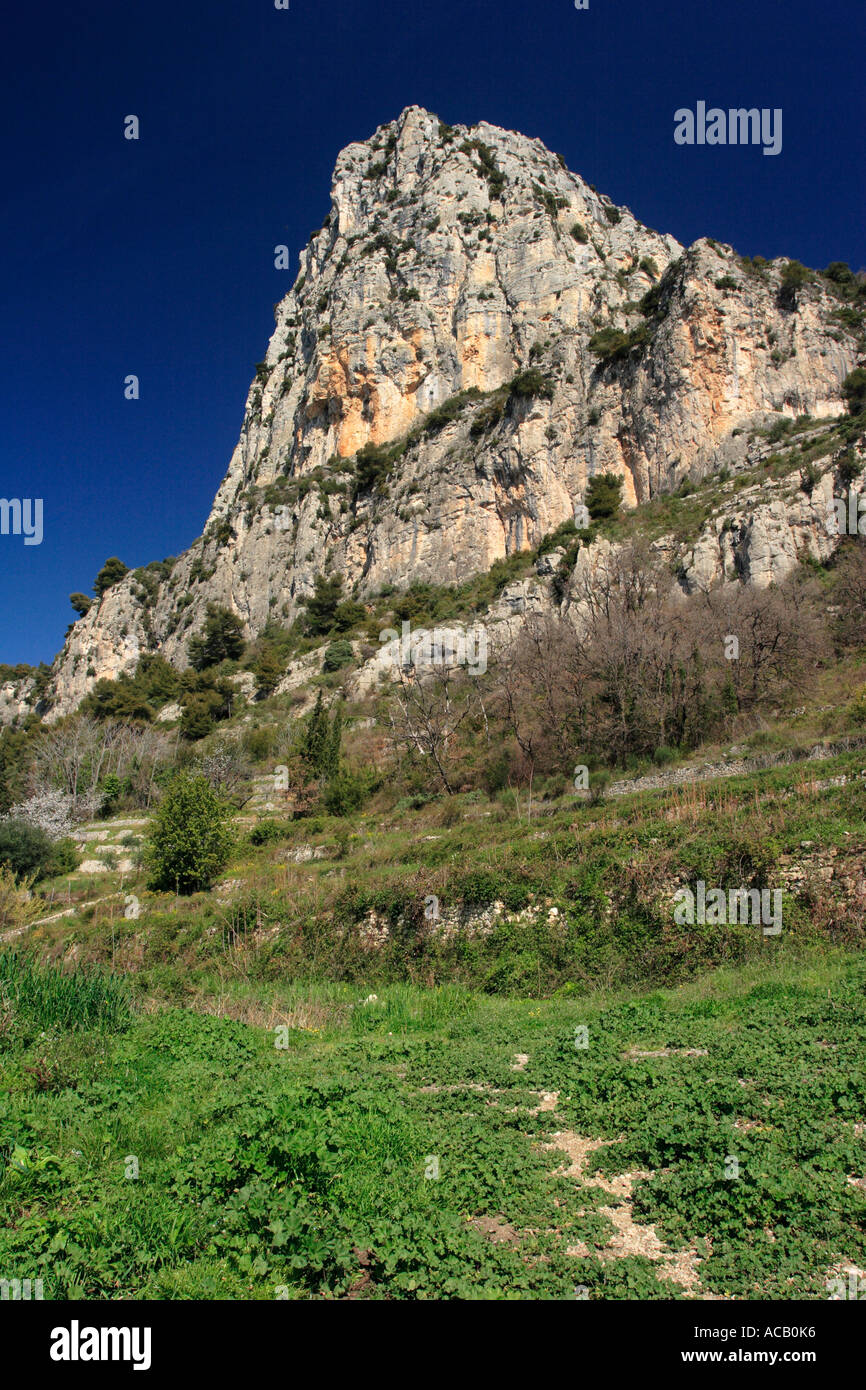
[[261, 1170], [50, 999]]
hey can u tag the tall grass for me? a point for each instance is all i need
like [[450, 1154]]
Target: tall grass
[[51, 998]]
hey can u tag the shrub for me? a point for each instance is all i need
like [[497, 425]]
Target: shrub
[[191, 836], [268, 832], [854, 390], [664, 755], [598, 785], [603, 496], [26, 850], [849, 466], [565, 532], [609, 343], [348, 614], [856, 708], [337, 655], [840, 273], [260, 743], [346, 791], [14, 900], [579, 232], [375, 462], [489, 168], [531, 382], [490, 414], [64, 860], [778, 430], [449, 410]]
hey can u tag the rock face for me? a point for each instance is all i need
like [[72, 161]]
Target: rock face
[[760, 536], [470, 261]]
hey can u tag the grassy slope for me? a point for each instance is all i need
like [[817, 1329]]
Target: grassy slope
[[264, 1169], [610, 872]]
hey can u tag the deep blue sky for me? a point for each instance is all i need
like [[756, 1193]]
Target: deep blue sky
[[156, 257]]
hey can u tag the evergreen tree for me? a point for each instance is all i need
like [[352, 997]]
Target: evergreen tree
[[331, 755], [317, 736], [322, 604], [268, 669], [603, 496], [112, 571], [191, 836], [221, 639], [81, 603]]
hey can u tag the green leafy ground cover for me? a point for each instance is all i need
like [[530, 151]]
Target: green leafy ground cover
[[294, 1172]]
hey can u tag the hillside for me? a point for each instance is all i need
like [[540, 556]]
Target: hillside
[[476, 812], [274, 1052]]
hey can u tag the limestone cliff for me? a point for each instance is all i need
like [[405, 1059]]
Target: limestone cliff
[[430, 402]]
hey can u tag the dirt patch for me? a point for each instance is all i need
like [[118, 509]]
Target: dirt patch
[[497, 1229], [435, 1090], [364, 1280], [634, 1053], [630, 1237]]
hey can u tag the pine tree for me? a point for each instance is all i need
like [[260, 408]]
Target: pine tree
[[331, 757], [317, 736], [268, 669]]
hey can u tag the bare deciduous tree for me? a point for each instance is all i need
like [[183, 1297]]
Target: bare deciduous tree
[[426, 713]]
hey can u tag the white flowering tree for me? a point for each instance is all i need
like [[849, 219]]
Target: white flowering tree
[[48, 810]]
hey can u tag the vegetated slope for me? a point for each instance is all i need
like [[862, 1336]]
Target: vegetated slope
[[222, 1121], [581, 896], [420, 865]]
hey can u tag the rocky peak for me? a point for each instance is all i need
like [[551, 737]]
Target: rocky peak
[[474, 333]]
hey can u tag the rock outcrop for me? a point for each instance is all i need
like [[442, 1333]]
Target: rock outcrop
[[435, 394]]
